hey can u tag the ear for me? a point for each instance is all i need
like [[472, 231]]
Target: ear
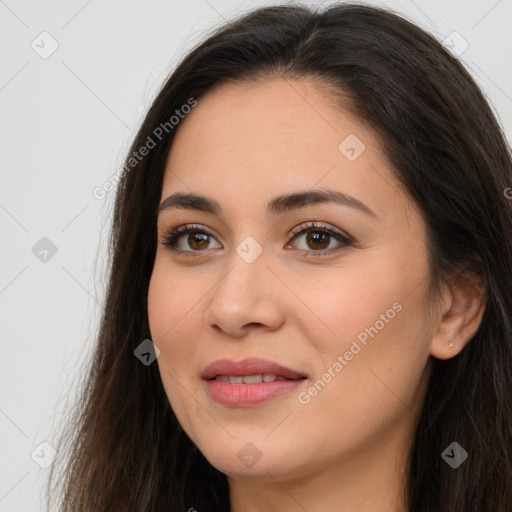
[[463, 306]]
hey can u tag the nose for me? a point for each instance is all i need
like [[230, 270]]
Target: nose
[[248, 296]]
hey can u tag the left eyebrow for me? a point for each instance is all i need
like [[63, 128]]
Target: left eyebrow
[[279, 204], [288, 202]]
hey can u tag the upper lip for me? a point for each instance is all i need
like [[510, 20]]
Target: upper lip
[[250, 366]]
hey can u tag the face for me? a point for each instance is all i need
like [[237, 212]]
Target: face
[[333, 289]]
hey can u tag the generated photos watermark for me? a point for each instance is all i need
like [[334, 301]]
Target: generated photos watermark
[[304, 397], [100, 192]]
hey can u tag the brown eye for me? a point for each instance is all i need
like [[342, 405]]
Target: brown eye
[[318, 239], [197, 240]]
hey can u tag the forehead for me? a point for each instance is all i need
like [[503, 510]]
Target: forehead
[[253, 140]]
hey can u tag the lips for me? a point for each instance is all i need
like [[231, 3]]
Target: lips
[[248, 367]]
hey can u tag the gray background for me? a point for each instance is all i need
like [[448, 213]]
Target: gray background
[[67, 121]]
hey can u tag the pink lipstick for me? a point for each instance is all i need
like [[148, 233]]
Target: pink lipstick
[[249, 382]]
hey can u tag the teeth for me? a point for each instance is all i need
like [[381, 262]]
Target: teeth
[[253, 379], [249, 379]]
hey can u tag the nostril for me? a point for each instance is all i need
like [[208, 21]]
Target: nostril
[[256, 324]]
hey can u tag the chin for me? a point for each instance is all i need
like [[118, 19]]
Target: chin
[[259, 459]]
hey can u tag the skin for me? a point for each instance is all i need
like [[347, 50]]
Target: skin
[[346, 449]]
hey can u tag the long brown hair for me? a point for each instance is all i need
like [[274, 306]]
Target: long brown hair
[[126, 449]]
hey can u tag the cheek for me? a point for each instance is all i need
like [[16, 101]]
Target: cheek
[[368, 292], [171, 301], [173, 320], [371, 346], [352, 304]]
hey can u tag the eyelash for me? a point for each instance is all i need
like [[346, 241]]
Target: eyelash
[[171, 239]]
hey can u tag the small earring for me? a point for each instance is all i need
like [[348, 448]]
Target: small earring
[[451, 344]]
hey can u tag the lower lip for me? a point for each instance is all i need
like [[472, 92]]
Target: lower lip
[[247, 395]]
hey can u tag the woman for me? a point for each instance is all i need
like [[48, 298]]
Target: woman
[[310, 292]]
